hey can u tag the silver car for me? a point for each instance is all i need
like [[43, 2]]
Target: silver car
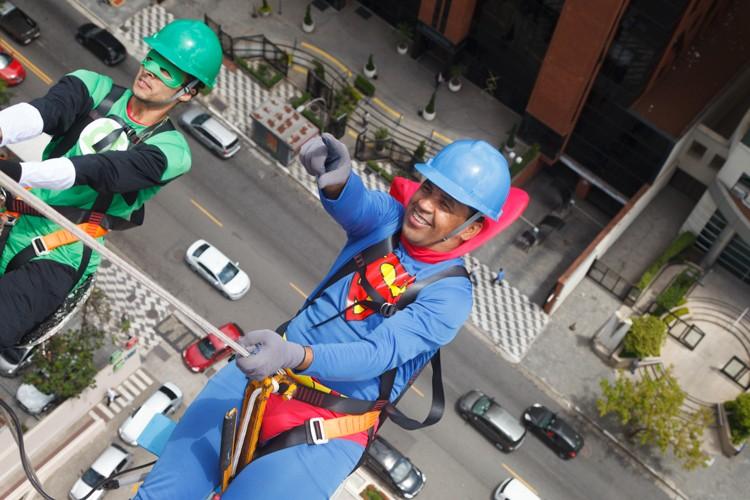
[[217, 269], [492, 420], [34, 401], [14, 359], [210, 132]]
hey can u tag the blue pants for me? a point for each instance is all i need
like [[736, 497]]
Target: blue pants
[[189, 466]]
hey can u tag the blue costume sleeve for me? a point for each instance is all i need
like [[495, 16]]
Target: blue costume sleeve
[[359, 210], [424, 326]]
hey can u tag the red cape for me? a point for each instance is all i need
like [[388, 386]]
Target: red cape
[[402, 190]]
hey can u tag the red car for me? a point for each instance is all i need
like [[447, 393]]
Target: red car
[[210, 349], [11, 71]]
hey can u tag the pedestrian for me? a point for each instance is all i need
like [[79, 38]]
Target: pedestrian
[[112, 149], [111, 396], [500, 276], [353, 343]]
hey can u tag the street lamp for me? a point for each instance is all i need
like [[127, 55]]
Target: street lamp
[[304, 106]]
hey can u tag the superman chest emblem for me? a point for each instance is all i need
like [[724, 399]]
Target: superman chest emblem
[[387, 276]]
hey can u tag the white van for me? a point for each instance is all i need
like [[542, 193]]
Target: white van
[[513, 489]]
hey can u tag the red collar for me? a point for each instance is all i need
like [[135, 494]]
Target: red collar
[[402, 190]]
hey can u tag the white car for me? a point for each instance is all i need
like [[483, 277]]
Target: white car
[[218, 269], [513, 489], [112, 460], [33, 400], [165, 400]]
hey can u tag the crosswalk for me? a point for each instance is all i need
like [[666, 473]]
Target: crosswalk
[[127, 391]]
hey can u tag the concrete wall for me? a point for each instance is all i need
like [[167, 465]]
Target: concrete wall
[[698, 165], [59, 435]]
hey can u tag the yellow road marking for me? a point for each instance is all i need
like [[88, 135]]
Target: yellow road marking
[[299, 69], [25, 61], [442, 137], [351, 133], [298, 290], [385, 107], [513, 473], [206, 213], [328, 56], [419, 393]]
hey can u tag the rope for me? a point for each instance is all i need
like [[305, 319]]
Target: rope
[[51, 214]]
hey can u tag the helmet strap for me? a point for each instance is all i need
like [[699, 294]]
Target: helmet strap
[[184, 90], [468, 222]]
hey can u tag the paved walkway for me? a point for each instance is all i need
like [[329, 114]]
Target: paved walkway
[[506, 315]]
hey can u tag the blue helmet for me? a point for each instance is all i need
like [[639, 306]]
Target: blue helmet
[[473, 173]]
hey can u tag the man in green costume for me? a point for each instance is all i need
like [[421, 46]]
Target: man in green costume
[[112, 149]]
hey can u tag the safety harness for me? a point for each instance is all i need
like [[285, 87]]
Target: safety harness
[[94, 221], [363, 415]]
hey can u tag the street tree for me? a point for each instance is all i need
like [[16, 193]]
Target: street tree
[[65, 365], [651, 411], [738, 413]]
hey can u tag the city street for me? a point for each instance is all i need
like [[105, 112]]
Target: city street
[[256, 214]]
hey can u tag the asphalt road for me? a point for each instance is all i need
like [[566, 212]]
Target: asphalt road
[[284, 240]]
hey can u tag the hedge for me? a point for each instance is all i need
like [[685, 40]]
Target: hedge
[[683, 242], [364, 85], [264, 73], [738, 414], [674, 294], [299, 100]]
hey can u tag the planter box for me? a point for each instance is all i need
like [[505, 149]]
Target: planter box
[[728, 448]]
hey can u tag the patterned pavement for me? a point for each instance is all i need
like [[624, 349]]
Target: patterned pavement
[[504, 314]]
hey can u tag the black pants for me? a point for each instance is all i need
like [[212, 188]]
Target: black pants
[[29, 294]]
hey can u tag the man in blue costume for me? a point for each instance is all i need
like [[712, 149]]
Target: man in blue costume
[[339, 342]]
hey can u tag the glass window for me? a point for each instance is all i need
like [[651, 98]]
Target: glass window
[[206, 348], [229, 272], [92, 478], [481, 405]]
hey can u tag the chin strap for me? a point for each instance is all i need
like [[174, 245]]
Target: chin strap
[[463, 226], [184, 90]]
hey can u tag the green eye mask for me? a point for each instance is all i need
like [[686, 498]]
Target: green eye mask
[[172, 76]]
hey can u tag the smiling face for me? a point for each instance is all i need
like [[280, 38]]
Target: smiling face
[[157, 80], [431, 215]]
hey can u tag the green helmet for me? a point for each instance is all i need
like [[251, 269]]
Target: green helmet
[[191, 46]]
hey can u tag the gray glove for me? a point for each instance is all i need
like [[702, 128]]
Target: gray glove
[[268, 354], [326, 158]]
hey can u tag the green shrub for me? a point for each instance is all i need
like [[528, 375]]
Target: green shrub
[[264, 73], [308, 17], [265, 8], [682, 311], [370, 65], [299, 100], [738, 414], [345, 100], [319, 69], [315, 119], [674, 294], [646, 337], [418, 156], [431, 105], [680, 244], [373, 165], [364, 85], [526, 158], [382, 134]]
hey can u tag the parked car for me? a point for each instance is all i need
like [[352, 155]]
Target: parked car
[[11, 71], [34, 401], [14, 359], [210, 132], [17, 23], [553, 430], [101, 43], [492, 420], [210, 349], [513, 489], [394, 468], [217, 269], [112, 460], [165, 400]]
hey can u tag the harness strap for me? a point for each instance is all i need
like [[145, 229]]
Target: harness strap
[[336, 403], [319, 431], [42, 245], [77, 215], [70, 137]]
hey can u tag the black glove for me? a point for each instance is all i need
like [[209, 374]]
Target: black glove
[[11, 168]]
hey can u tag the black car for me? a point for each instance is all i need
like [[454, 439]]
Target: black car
[[394, 468], [101, 43], [553, 430], [17, 23], [492, 420]]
